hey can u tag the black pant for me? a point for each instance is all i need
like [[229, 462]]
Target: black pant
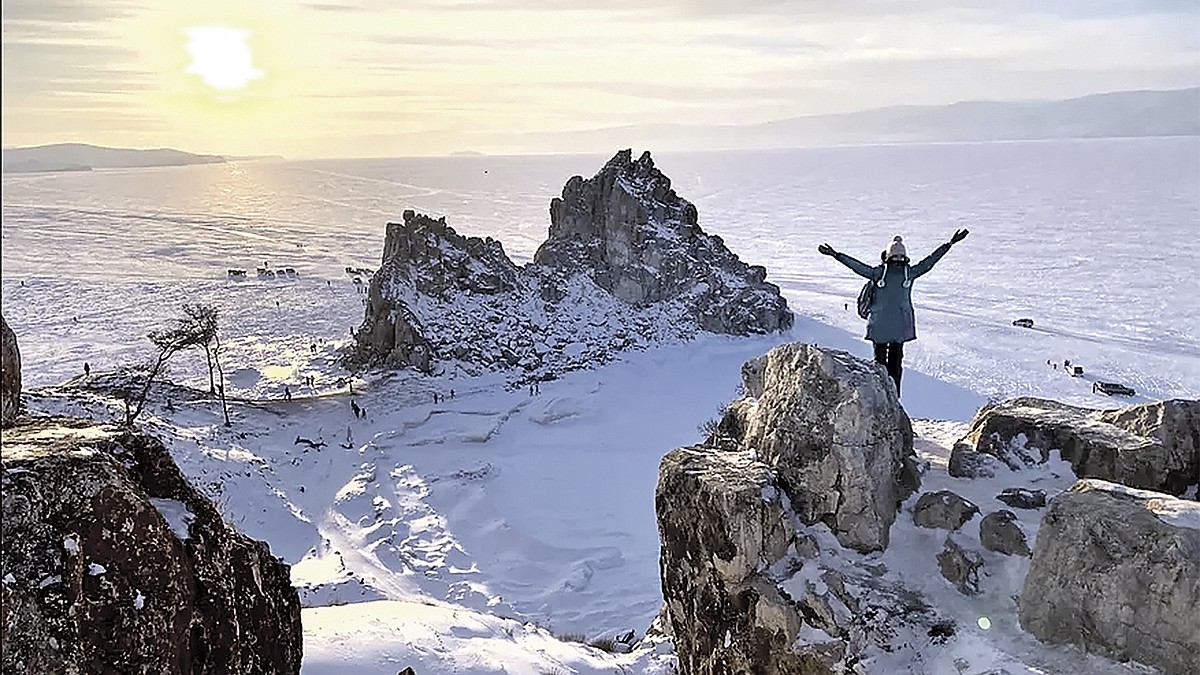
[[890, 354]]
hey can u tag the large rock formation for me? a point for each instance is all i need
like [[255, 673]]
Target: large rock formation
[[834, 432], [10, 375], [625, 265], [1155, 446], [641, 242], [112, 562], [753, 581], [1117, 571]]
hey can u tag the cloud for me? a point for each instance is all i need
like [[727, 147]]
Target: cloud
[[451, 67]]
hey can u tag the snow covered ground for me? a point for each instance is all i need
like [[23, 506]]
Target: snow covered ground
[[457, 536]]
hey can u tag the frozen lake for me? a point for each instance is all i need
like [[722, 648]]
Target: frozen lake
[[1094, 240]]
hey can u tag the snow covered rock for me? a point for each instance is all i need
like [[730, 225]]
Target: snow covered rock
[[830, 424], [1154, 446], [960, 566], [10, 375], [1023, 498], [118, 565], [741, 598], [753, 580], [999, 531], [625, 265], [943, 509], [638, 240], [1116, 571]]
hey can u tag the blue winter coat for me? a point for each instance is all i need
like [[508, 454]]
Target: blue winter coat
[[891, 309]]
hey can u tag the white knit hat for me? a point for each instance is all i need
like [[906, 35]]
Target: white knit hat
[[896, 249]]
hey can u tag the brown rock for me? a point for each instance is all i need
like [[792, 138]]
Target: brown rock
[[117, 564]]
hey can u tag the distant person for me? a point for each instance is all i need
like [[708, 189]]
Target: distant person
[[87, 369], [287, 393], [891, 322], [354, 408]]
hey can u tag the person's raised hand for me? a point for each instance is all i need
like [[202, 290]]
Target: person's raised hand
[[825, 249], [959, 236]]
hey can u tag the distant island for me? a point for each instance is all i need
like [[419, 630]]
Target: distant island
[[84, 157]]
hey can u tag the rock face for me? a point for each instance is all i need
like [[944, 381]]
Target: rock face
[[625, 265], [1154, 446], [751, 582], [943, 509], [1117, 571], [833, 429], [10, 375], [114, 563]]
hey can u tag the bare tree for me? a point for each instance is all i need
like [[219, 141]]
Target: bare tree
[[190, 331], [206, 321]]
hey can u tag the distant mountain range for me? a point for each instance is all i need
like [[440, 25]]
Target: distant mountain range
[[83, 157], [1117, 114]]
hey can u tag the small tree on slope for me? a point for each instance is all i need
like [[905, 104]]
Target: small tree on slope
[[193, 330]]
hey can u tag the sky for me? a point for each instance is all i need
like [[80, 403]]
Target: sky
[[358, 78]]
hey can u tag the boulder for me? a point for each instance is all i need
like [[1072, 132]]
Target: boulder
[[1154, 446], [966, 463], [831, 425], [753, 580], [114, 563], [1023, 498], [943, 509], [10, 375], [960, 566], [1116, 571], [999, 532], [625, 264]]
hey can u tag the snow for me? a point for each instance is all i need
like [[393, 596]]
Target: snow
[[96, 569], [9, 579], [1175, 512], [177, 515], [441, 534], [139, 601], [71, 544]]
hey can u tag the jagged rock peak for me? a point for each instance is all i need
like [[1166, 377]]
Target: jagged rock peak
[[625, 265], [640, 241], [10, 375], [436, 259]]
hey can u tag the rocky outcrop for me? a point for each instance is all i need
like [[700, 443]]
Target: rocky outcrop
[[1117, 571], [10, 375], [625, 265], [638, 240], [112, 562], [753, 582], [832, 427], [1153, 446], [943, 509]]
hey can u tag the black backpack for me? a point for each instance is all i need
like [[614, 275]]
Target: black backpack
[[867, 296]]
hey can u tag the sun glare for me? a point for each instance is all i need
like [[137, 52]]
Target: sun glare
[[221, 57]]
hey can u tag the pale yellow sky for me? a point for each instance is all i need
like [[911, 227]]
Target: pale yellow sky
[[351, 78]]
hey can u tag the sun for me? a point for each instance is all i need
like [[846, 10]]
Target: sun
[[221, 57]]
